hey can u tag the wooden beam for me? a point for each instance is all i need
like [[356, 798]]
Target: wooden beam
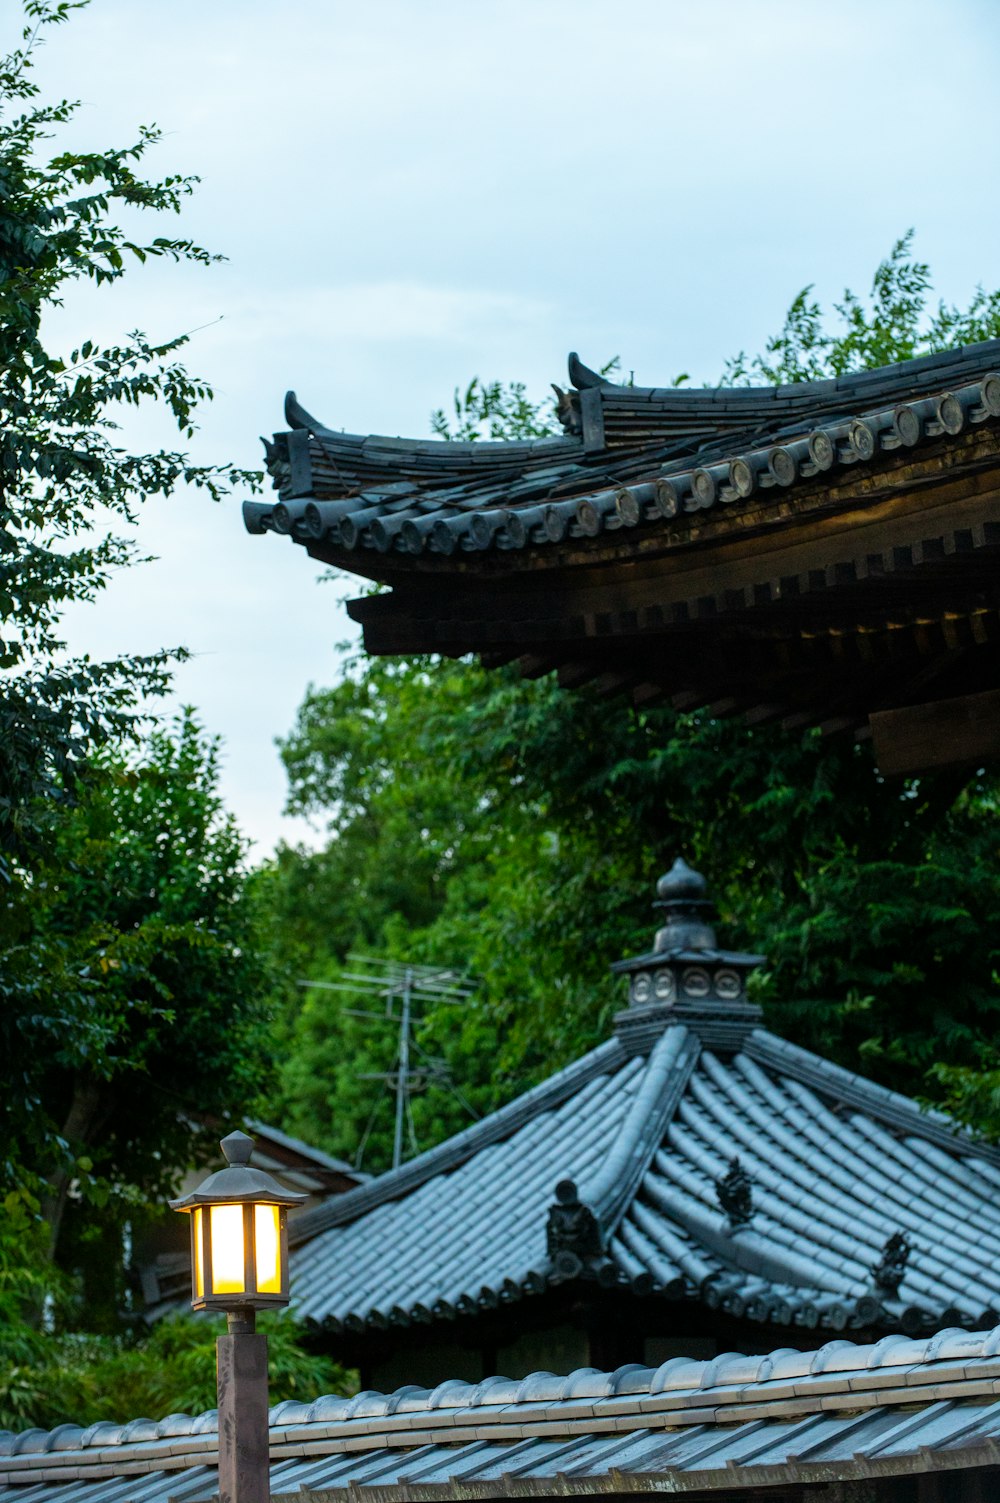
[[574, 674], [534, 665], [762, 714], [836, 724], [944, 733], [610, 683]]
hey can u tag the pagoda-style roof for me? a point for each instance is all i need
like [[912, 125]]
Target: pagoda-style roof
[[693, 1158], [823, 552], [806, 1423]]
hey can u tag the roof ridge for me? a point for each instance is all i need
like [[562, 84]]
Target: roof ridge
[[898, 372], [322, 1159], [867, 1095], [609, 1056], [669, 1067], [298, 419]]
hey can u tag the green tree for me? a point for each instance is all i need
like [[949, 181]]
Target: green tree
[[896, 322], [64, 469], [477, 819], [369, 749], [156, 1021]]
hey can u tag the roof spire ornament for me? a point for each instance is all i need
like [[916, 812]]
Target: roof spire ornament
[[681, 894], [686, 978]]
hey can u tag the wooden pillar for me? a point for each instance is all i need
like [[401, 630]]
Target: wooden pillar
[[244, 1467]]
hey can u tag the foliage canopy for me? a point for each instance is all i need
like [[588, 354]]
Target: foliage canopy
[[82, 1379], [121, 935], [63, 468]]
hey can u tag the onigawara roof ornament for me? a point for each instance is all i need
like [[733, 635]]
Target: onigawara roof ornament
[[734, 1190], [572, 1235], [890, 1269]]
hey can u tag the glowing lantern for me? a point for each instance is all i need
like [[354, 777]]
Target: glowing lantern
[[239, 1239]]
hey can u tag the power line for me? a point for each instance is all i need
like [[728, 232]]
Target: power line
[[409, 986]]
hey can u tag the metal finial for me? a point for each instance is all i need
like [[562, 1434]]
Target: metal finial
[[681, 893], [681, 881], [237, 1147]]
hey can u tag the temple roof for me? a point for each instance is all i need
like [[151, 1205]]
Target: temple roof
[[440, 487], [694, 1156], [899, 1407], [818, 552]]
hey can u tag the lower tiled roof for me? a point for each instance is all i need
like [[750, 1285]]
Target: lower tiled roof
[[843, 1412], [830, 1188], [837, 1167]]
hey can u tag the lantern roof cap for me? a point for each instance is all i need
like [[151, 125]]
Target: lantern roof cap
[[239, 1182]]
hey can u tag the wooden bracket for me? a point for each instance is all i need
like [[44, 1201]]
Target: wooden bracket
[[944, 733]]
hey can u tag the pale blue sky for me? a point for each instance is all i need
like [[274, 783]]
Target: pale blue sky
[[412, 193]]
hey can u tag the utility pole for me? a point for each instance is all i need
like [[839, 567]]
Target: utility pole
[[411, 986], [403, 1072]]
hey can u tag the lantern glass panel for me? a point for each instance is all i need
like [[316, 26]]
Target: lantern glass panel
[[267, 1241], [198, 1237], [228, 1267]]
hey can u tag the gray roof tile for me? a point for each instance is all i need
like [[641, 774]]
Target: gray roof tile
[[467, 1222], [843, 1411], [642, 434]]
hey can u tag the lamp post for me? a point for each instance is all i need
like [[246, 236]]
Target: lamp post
[[239, 1264]]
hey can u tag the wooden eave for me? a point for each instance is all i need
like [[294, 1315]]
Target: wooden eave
[[835, 602], [816, 577]]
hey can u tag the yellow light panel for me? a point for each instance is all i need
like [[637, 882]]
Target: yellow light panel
[[228, 1267], [199, 1254], [268, 1245]]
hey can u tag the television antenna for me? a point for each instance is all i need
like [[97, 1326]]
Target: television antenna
[[402, 987]]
